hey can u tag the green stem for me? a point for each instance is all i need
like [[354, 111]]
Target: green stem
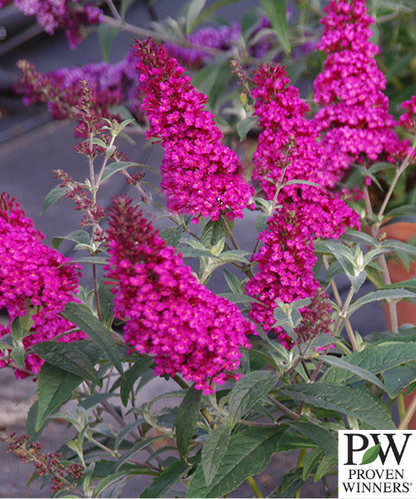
[[301, 463], [382, 259], [254, 487], [408, 415], [401, 406]]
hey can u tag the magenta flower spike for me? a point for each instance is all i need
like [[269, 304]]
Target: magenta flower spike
[[355, 115], [200, 175], [288, 152], [187, 328], [36, 276]]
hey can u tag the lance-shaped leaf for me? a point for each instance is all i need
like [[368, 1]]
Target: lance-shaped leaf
[[81, 237], [245, 125], [276, 11], [249, 390], [167, 479], [357, 402], [248, 453], [81, 316], [131, 376], [52, 197], [55, 387], [379, 295], [374, 359], [68, 357], [214, 449], [186, 419], [113, 168], [358, 371]]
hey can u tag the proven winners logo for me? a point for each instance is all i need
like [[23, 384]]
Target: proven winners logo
[[377, 463]]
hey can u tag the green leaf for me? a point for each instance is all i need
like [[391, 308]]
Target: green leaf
[[107, 35], [303, 182], [213, 233], [232, 281], [125, 430], [196, 253], [90, 259], [214, 449], [378, 295], [311, 460], [113, 168], [238, 298], [360, 238], [169, 476], [276, 11], [195, 9], [18, 355], [327, 463], [106, 299], [397, 378], [186, 419], [376, 359], [319, 435], [356, 402], [81, 316], [249, 390], [138, 446], [245, 125], [172, 235], [371, 454], [131, 376], [68, 357], [52, 197], [107, 482], [55, 387], [248, 453], [212, 8], [358, 371], [125, 6], [292, 482], [31, 423], [261, 222], [77, 236]]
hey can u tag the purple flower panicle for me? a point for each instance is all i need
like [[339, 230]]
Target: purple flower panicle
[[223, 38], [112, 85], [200, 175], [288, 152], [355, 115], [69, 15], [32, 275], [168, 313]]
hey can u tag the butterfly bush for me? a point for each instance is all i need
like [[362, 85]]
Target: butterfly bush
[[407, 120], [223, 38], [355, 115], [186, 327], [200, 175], [112, 85], [68, 15], [33, 276], [288, 166]]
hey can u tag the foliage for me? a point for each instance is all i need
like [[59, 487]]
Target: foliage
[[294, 369]]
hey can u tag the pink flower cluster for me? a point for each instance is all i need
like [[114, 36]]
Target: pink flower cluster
[[168, 313], [111, 84], [70, 15], [34, 276], [407, 120], [288, 152], [200, 175], [223, 38], [356, 115]]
